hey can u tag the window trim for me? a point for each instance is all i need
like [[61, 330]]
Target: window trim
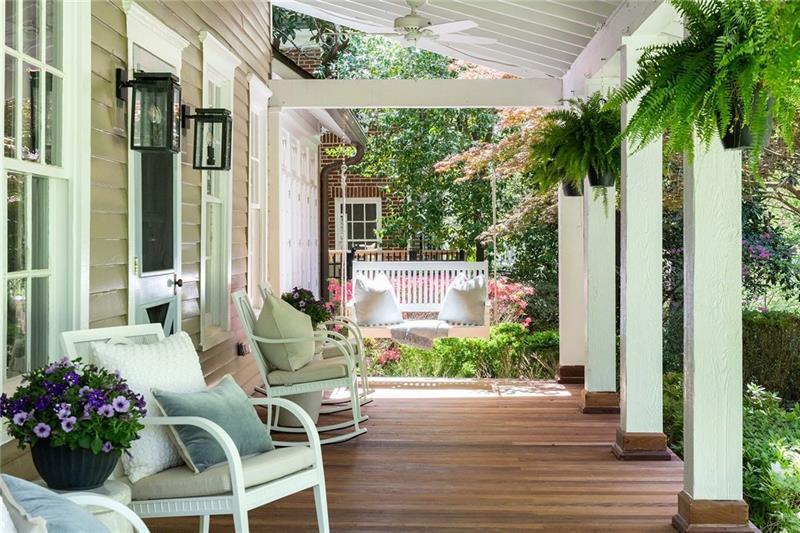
[[219, 67], [259, 105], [75, 168], [375, 200]]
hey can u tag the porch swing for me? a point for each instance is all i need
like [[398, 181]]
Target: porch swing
[[421, 287]]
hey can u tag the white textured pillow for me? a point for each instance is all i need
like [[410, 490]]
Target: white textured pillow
[[171, 365], [465, 301], [374, 301]]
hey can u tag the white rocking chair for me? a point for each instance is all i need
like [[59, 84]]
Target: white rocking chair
[[357, 343], [242, 495], [278, 383]]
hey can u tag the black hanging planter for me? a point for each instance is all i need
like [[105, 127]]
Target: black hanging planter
[[65, 469], [571, 189], [738, 135], [601, 179]]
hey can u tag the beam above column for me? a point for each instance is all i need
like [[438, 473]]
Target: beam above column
[[351, 94]]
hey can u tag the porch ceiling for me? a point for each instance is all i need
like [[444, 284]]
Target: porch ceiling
[[534, 38]]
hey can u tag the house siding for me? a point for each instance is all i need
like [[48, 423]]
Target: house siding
[[243, 27]]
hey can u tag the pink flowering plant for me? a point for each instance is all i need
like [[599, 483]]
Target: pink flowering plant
[[68, 403], [510, 302]]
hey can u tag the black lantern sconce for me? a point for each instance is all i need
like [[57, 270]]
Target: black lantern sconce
[[212, 137], [155, 110]]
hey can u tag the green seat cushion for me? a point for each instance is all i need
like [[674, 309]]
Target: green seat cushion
[[227, 405], [332, 368], [279, 320]]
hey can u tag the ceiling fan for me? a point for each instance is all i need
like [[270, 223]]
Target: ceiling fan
[[412, 28]]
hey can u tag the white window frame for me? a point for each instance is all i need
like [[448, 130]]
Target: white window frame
[[219, 68], [373, 200], [257, 201], [72, 299]]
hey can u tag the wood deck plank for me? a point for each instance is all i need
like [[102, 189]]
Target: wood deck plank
[[477, 456]]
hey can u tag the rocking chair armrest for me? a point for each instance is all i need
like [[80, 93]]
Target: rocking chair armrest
[[217, 433], [349, 322], [85, 499], [301, 415], [342, 345]]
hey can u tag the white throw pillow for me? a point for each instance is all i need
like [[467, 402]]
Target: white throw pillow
[[171, 365], [465, 301], [374, 301]]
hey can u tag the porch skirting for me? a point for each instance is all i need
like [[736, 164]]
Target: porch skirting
[[598, 402], [632, 446], [725, 516], [570, 374]]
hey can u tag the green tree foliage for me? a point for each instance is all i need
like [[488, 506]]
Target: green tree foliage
[[405, 144], [332, 39]]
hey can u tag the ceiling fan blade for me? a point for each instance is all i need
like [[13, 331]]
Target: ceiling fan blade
[[469, 39], [452, 27]]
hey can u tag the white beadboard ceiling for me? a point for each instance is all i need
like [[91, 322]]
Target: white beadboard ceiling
[[535, 38]]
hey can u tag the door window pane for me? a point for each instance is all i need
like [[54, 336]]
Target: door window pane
[[16, 328], [16, 230], [39, 316], [10, 107], [158, 231], [40, 222], [52, 120], [53, 33], [30, 27], [30, 112]]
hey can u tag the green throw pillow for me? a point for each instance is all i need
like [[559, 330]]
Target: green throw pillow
[[227, 405], [279, 320]]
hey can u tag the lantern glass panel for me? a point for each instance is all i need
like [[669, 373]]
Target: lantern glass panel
[[212, 139], [155, 113]]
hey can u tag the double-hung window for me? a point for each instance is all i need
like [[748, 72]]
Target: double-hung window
[[219, 66], [363, 223], [257, 189], [39, 281]]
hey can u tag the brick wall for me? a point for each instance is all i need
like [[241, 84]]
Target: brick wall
[[357, 187], [307, 58]]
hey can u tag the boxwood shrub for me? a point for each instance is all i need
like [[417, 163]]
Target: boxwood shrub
[[771, 352]]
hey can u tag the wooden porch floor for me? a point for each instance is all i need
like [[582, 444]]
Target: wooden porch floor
[[477, 455]]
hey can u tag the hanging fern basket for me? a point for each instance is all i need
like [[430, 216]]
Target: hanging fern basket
[[601, 179], [571, 189], [738, 136]]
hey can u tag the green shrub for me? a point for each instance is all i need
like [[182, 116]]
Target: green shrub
[[510, 352], [771, 352], [771, 453]]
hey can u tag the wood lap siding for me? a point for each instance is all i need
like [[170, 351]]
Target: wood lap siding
[[244, 28]]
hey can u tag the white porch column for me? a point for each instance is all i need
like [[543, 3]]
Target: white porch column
[[571, 302], [599, 220], [273, 228], [640, 435], [712, 343]]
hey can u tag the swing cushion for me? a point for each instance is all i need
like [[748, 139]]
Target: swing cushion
[[279, 320], [374, 301], [465, 301]]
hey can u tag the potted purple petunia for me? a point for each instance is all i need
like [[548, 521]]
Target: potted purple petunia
[[304, 301], [77, 419]]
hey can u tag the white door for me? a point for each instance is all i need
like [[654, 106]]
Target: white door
[[155, 223]]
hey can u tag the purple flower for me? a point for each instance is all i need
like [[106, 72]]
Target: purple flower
[[42, 403], [72, 378], [87, 412], [302, 305], [68, 424], [121, 404], [83, 390], [106, 410], [107, 447], [20, 418], [296, 295], [41, 430], [50, 369], [63, 412]]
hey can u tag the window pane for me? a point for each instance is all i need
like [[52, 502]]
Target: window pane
[[40, 222], [16, 222], [30, 28], [16, 328], [30, 112], [358, 231], [11, 23], [52, 120], [371, 212], [370, 230], [213, 229], [10, 108], [358, 212], [53, 34], [158, 231], [39, 327]]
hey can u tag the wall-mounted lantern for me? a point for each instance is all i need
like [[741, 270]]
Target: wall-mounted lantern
[[212, 137], [155, 110]]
